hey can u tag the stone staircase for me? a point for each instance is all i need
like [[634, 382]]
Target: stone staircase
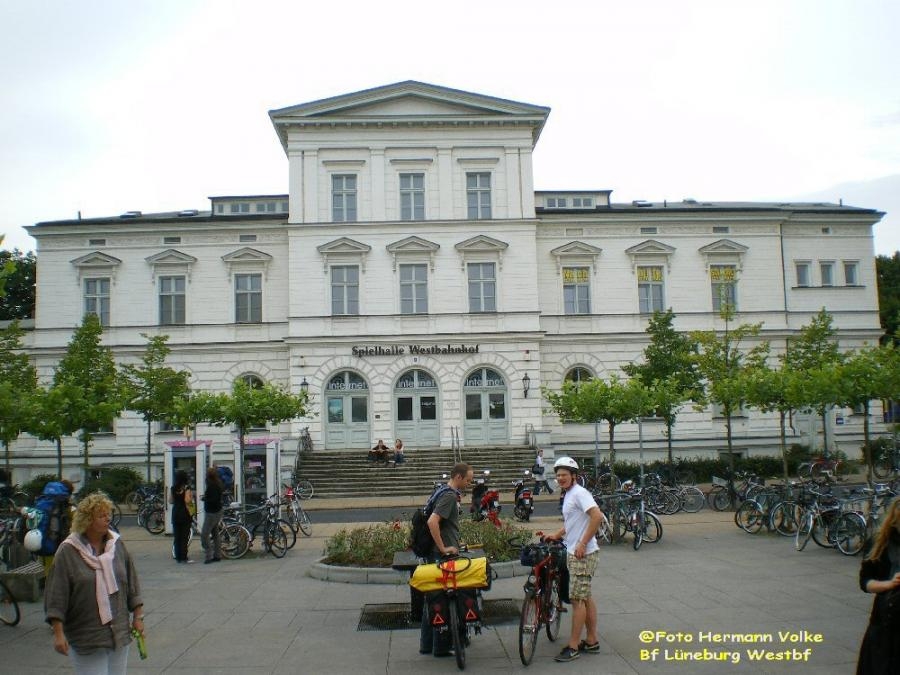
[[340, 474]]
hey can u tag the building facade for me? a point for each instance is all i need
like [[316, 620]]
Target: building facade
[[420, 287]]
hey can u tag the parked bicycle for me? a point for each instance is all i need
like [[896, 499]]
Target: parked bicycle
[[724, 494], [9, 607], [295, 515], [821, 467], [818, 521], [304, 444], [136, 498], [12, 499], [888, 464], [542, 605], [274, 530]]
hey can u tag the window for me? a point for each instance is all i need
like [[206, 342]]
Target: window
[[171, 240], [96, 299], [240, 207], [343, 198], [413, 289], [412, 196], [650, 229], [723, 279], [721, 229], [166, 426], [579, 375], [582, 202], [478, 196], [802, 269], [851, 273], [265, 207], [248, 298], [650, 289], [344, 290], [171, 301], [96, 242], [482, 287], [826, 270], [246, 238], [576, 290]]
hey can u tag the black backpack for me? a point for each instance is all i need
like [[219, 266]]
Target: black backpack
[[420, 540]]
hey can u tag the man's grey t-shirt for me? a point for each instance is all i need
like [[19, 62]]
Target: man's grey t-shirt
[[447, 507]]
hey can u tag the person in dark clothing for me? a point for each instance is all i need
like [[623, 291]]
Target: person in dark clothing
[[443, 523], [180, 498], [879, 573], [212, 516]]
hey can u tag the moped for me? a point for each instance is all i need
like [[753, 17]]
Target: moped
[[523, 501], [485, 501]]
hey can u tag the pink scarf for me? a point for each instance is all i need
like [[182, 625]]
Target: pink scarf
[[103, 568]]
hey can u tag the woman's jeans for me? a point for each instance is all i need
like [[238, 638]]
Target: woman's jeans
[[211, 526], [100, 661]]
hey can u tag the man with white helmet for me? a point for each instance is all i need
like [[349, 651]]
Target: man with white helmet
[[581, 519]]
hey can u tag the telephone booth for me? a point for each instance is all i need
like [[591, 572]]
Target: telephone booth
[[257, 473], [190, 456]]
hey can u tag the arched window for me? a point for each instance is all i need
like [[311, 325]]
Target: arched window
[[254, 381], [579, 375]]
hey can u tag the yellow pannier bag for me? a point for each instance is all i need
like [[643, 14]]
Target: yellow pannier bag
[[454, 573]]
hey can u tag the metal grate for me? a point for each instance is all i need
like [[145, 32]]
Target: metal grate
[[395, 616]]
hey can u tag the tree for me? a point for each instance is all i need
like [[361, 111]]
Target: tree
[[93, 385], [669, 369], [814, 354], [724, 366], [774, 390], [867, 374], [51, 419], [887, 269], [19, 273], [153, 387], [248, 406], [18, 385], [615, 402], [194, 407]]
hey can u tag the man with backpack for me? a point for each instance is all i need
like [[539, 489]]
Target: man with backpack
[[442, 511]]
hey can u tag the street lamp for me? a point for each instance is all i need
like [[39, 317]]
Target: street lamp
[[304, 386], [526, 384]]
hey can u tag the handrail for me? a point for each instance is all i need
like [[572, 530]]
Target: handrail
[[455, 445]]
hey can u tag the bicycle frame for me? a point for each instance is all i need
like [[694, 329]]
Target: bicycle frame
[[542, 606]]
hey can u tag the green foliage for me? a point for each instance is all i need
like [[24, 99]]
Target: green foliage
[[115, 481], [704, 468], [18, 274], [879, 447], [250, 406], [193, 408], [375, 546], [18, 385], [887, 269]]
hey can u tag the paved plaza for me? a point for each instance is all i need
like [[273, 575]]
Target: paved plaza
[[705, 591]]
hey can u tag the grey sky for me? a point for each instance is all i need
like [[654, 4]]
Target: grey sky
[[111, 106]]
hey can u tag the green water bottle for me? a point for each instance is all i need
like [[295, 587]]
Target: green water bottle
[[141, 645]]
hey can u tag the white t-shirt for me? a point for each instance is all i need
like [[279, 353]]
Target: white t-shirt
[[576, 519]]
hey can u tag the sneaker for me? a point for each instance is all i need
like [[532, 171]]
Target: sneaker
[[567, 654], [585, 647]]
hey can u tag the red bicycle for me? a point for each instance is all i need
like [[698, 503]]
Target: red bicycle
[[542, 606]]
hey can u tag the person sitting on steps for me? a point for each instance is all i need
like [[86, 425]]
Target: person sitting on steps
[[379, 453]]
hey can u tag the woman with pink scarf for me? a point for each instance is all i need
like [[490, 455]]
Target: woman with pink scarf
[[93, 598]]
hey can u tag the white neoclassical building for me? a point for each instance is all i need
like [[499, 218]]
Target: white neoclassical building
[[420, 287]]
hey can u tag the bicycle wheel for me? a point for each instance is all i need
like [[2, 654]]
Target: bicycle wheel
[[784, 518], [235, 541], [456, 629], [155, 522], [653, 528], [529, 624], [692, 499], [804, 530], [850, 533], [304, 489], [607, 484], [637, 528], [685, 477], [722, 501], [116, 516], [552, 607], [804, 470], [9, 608], [132, 500], [712, 494], [823, 530], [290, 533], [275, 540], [304, 522], [749, 517]]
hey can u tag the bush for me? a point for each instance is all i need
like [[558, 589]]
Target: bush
[[376, 545], [880, 447], [115, 481]]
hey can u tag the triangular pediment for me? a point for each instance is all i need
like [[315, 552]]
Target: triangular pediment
[[723, 247], [575, 248], [344, 245], [481, 244], [96, 259], [408, 98], [413, 245], [409, 102], [246, 255], [171, 257], [650, 247]]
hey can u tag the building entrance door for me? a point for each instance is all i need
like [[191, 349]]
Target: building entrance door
[[347, 411], [415, 409], [485, 400]]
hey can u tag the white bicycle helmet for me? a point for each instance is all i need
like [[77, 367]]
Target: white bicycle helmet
[[565, 463], [33, 539]]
